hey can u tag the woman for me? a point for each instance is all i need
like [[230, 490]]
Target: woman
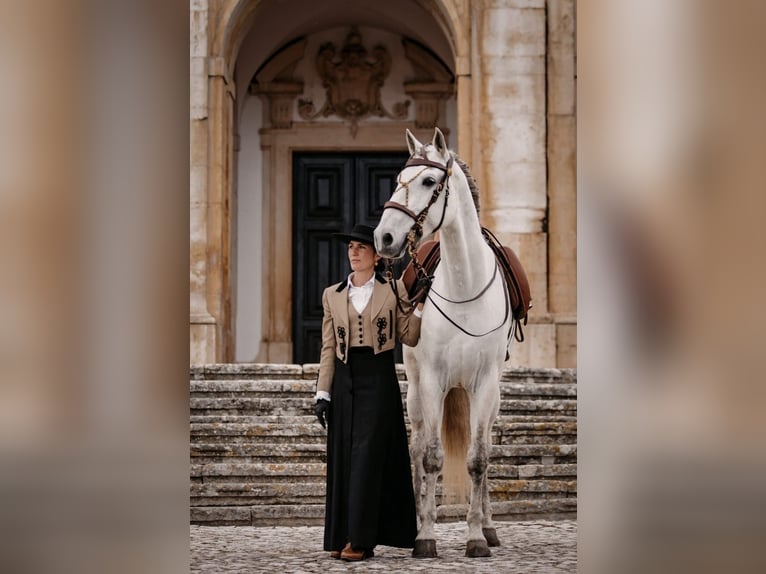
[[369, 486]]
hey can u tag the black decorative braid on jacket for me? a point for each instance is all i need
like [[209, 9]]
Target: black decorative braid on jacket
[[381, 323], [342, 337]]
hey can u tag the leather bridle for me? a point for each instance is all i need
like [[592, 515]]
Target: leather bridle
[[416, 231]]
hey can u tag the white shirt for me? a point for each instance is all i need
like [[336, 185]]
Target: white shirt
[[360, 296]]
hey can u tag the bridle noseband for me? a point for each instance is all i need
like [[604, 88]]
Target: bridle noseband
[[416, 231]]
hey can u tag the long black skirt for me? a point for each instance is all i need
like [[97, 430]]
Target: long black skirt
[[370, 500]]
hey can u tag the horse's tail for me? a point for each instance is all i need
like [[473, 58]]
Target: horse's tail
[[456, 434]]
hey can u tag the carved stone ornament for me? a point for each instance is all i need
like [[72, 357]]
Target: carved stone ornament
[[352, 80]]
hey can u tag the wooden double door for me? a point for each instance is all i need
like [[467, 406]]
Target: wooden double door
[[331, 193]]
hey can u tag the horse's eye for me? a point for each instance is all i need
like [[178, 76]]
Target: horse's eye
[[429, 181]]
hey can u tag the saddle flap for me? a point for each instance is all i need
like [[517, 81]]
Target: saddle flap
[[516, 278]]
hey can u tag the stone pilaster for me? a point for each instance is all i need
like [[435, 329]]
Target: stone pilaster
[[511, 140], [201, 322], [562, 178]]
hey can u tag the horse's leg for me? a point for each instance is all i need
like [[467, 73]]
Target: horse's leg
[[431, 399], [417, 438], [484, 406], [487, 526]]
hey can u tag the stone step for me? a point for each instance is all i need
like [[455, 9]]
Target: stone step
[[503, 432], [307, 472], [313, 514], [298, 406], [309, 371], [310, 418], [209, 452], [247, 493], [258, 452], [252, 388], [222, 371]]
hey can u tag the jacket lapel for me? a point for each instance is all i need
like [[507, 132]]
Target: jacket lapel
[[339, 308], [380, 293]]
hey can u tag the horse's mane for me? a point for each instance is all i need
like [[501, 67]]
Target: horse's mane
[[471, 181]]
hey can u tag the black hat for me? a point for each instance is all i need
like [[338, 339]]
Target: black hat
[[363, 233]]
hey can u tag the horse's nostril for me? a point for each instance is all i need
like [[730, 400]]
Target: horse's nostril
[[388, 239]]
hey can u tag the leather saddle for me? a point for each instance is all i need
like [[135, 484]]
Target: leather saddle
[[428, 255]]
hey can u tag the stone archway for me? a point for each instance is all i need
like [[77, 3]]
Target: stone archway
[[213, 193], [514, 69], [287, 131]]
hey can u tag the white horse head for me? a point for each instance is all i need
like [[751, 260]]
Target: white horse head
[[420, 196]]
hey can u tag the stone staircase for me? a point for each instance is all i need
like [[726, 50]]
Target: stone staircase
[[257, 452]]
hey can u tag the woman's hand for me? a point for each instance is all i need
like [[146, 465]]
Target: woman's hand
[[320, 410]]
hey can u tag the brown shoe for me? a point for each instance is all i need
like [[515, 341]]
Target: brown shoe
[[351, 555], [335, 554]]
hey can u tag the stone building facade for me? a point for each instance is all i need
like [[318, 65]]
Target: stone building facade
[[273, 79]]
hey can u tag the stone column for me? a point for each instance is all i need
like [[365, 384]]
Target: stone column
[[511, 141], [201, 322], [212, 95], [221, 95], [562, 179]]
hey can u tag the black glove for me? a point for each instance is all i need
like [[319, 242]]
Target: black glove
[[423, 286], [321, 410]]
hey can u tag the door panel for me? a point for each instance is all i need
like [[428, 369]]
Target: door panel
[[331, 193]]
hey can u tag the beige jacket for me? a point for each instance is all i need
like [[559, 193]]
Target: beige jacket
[[384, 317]]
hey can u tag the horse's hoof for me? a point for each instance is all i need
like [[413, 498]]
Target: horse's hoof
[[491, 535], [477, 549], [424, 549]]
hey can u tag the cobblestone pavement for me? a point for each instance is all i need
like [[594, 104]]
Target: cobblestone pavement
[[531, 547]]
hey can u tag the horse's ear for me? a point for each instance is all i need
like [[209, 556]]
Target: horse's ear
[[412, 143], [439, 142]]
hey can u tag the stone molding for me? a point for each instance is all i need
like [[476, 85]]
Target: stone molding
[[432, 85], [353, 79], [276, 83]]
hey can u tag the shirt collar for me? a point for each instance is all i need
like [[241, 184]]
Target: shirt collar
[[369, 284]]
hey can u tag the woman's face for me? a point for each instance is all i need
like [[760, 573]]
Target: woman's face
[[361, 256]]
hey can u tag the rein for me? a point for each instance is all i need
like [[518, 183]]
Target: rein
[[505, 317], [484, 290]]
